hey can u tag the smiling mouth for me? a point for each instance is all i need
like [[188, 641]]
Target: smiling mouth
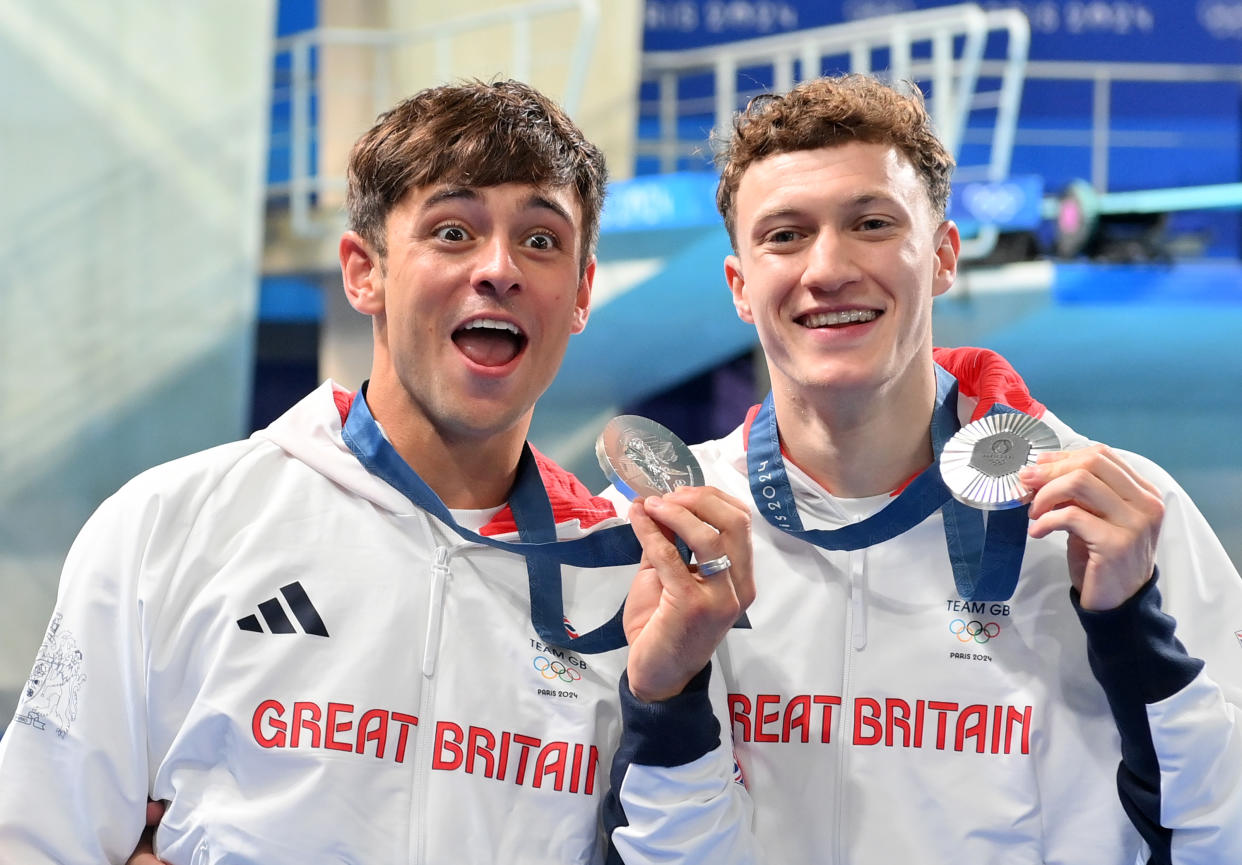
[[490, 341], [838, 319]]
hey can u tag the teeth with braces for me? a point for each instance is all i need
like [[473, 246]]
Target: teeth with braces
[[850, 316]]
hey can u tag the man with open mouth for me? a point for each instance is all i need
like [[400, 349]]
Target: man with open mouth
[[382, 629]]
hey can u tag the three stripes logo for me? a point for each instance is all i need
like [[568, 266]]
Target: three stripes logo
[[273, 613]]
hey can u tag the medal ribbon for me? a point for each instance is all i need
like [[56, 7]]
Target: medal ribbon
[[536, 524], [986, 556]]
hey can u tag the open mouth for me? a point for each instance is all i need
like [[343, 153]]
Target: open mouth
[[490, 341], [842, 318]]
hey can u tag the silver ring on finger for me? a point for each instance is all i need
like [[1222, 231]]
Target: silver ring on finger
[[714, 566]]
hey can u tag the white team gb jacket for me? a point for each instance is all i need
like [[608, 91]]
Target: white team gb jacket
[[879, 718], [312, 670]]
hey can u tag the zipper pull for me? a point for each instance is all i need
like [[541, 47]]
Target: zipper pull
[[435, 610], [858, 599]]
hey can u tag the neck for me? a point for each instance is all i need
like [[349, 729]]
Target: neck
[[467, 472], [858, 444]]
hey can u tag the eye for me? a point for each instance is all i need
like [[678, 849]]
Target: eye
[[782, 235], [452, 233], [874, 223], [542, 240]]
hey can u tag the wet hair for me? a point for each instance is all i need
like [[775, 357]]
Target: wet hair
[[826, 112], [473, 134]]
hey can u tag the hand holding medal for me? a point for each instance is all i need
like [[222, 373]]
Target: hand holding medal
[[644, 458], [1111, 513], [676, 613]]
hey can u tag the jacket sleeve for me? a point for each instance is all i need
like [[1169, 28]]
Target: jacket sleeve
[[676, 792], [1171, 668], [73, 762]]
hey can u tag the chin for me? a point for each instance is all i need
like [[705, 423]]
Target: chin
[[483, 421], [840, 375]]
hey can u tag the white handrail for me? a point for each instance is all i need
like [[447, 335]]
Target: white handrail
[[956, 38], [858, 40], [1004, 131], [304, 182]]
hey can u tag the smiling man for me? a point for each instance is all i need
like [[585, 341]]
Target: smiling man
[[317, 645], [920, 684]]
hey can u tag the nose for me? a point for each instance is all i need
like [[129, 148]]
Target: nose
[[496, 269], [830, 262]]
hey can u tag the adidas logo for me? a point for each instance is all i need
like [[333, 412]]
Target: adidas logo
[[273, 613]]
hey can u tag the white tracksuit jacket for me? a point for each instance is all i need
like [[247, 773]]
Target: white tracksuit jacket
[[877, 718], [312, 671]]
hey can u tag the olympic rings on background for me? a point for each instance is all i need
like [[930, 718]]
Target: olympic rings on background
[[555, 670], [973, 630]]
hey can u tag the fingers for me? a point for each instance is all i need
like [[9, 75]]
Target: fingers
[[144, 853], [1112, 514], [659, 550], [711, 523], [1099, 460], [1098, 483], [675, 616], [155, 812]]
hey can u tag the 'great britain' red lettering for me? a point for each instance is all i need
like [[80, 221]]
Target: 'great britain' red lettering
[[891, 723], [516, 758], [502, 756], [301, 728]]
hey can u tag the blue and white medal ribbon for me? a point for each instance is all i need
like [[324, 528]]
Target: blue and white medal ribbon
[[986, 557], [536, 526]]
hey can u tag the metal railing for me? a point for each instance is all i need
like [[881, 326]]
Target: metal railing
[[951, 52], [299, 94], [1101, 138], [941, 50]]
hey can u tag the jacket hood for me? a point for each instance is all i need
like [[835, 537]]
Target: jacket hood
[[985, 379], [310, 432]]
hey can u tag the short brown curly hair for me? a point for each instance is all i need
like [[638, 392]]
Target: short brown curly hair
[[824, 112], [472, 133]]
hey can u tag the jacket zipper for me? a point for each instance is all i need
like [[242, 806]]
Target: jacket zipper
[[424, 742], [856, 641]]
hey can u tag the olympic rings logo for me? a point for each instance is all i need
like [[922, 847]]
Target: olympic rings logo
[[555, 670], [974, 630]]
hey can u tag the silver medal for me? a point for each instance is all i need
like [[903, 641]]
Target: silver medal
[[980, 463], [642, 458]]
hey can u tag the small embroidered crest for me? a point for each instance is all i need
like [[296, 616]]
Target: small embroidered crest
[[50, 698]]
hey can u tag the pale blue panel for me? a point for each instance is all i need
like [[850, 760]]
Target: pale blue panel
[[132, 157]]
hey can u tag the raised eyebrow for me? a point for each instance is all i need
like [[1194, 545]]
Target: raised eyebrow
[[450, 193], [535, 201]]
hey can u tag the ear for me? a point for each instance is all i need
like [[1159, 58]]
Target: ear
[[362, 274], [582, 303], [737, 286], [948, 244]]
